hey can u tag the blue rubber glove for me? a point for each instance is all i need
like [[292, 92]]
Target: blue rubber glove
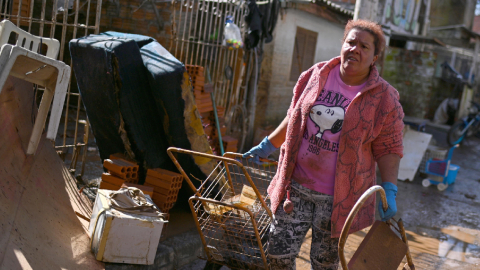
[[262, 150], [391, 192]]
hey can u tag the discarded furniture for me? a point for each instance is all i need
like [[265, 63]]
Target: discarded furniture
[[19, 61], [441, 172], [138, 99], [381, 248]]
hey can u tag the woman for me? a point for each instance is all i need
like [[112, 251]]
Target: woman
[[343, 119]]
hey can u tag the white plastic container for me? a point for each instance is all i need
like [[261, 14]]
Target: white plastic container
[[121, 237]]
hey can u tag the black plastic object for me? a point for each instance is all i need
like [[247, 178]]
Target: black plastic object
[[155, 87], [115, 89], [165, 75]]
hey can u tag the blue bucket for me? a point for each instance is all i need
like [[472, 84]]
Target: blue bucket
[[452, 173]]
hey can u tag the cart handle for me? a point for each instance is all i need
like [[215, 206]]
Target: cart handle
[[221, 158], [353, 213], [238, 155]]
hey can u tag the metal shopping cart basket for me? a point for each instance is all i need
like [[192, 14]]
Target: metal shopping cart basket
[[231, 209]]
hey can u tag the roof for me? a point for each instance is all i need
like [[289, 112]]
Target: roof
[[416, 38], [338, 6], [334, 6], [455, 27]]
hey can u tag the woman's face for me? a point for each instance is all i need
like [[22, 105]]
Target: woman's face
[[357, 53]]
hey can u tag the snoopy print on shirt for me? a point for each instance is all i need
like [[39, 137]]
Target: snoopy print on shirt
[[317, 157], [327, 118]]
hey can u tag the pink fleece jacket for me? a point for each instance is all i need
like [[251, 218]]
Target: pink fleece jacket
[[372, 128]]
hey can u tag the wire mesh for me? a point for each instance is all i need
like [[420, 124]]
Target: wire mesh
[[232, 210]]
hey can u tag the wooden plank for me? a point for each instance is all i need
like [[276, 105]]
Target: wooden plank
[[414, 146], [39, 228], [371, 252]]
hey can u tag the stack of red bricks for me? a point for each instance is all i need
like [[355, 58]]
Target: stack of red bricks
[[205, 108], [119, 171], [166, 185], [202, 97]]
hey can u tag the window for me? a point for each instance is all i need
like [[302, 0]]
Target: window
[[303, 52]]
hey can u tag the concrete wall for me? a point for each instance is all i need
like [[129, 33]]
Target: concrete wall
[[452, 12], [412, 74], [402, 15], [276, 89]]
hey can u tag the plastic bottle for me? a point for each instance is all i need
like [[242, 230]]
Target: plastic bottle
[[232, 36]]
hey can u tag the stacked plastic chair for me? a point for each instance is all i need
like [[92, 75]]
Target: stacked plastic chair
[[22, 61]]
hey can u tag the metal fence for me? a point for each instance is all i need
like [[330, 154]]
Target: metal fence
[[63, 20], [198, 40]]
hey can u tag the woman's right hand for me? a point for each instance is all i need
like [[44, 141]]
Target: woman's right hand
[[262, 150]]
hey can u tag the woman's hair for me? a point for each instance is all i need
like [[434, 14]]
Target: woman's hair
[[371, 27]]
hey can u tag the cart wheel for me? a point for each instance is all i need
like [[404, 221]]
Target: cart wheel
[[426, 182], [442, 186]]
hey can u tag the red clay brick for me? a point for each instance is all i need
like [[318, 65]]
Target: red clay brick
[[117, 23], [106, 185], [139, 14], [166, 15], [152, 29], [124, 12], [150, 15]]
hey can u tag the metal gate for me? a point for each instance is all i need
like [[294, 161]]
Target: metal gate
[[63, 20], [197, 40]]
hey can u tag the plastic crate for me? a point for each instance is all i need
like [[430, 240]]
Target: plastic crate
[[433, 152]]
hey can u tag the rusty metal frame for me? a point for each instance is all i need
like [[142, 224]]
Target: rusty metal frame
[[27, 20], [229, 228]]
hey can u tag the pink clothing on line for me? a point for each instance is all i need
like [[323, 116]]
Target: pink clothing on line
[[317, 157], [372, 128]]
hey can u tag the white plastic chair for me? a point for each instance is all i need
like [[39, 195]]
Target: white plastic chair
[[27, 40], [38, 69]]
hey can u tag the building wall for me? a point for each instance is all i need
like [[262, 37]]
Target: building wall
[[276, 89], [452, 12], [138, 17], [412, 74], [404, 16]]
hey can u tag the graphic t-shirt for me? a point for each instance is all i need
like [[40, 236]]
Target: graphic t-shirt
[[317, 157]]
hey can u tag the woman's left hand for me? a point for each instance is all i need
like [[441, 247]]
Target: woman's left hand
[[391, 192]]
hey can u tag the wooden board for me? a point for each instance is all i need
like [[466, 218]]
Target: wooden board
[[415, 144], [381, 249], [38, 196]]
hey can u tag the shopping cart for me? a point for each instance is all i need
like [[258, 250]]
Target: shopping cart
[[441, 172], [231, 209]]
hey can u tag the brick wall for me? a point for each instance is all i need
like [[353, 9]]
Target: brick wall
[[412, 74], [138, 17]]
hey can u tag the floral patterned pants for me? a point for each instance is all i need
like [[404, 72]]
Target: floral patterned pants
[[312, 209]]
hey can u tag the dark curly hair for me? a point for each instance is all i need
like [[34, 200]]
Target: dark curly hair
[[371, 27]]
